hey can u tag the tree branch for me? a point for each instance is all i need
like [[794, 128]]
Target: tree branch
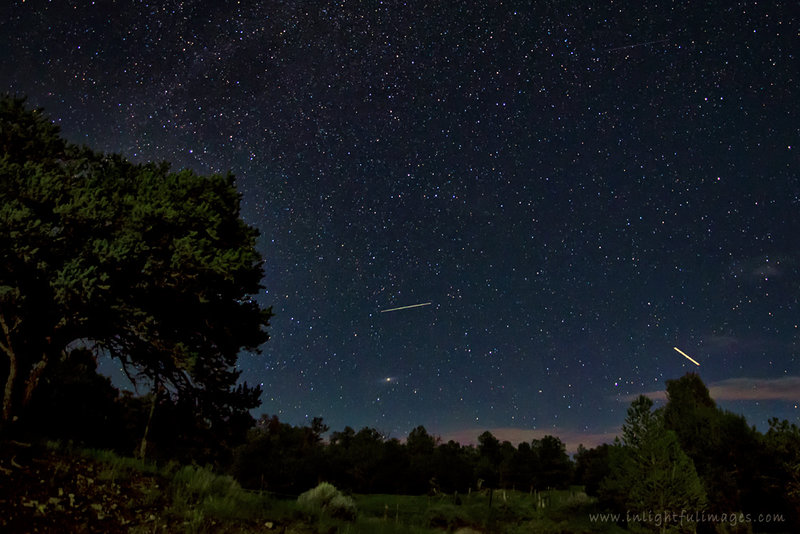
[[7, 333]]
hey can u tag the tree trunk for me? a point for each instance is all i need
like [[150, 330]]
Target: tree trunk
[[33, 379], [10, 382], [143, 444], [11, 379]]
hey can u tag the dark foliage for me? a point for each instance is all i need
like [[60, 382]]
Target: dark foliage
[[738, 466], [591, 467], [76, 404], [739, 470], [780, 469], [649, 471], [155, 268], [279, 457], [555, 467], [285, 459], [365, 461]]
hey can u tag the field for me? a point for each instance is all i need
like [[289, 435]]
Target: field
[[497, 511], [54, 489]]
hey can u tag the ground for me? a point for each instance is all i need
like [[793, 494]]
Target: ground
[[43, 491], [52, 489]]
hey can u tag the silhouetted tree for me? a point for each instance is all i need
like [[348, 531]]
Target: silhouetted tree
[[489, 456], [525, 468], [454, 467], [555, 467], [392, 471], [155, 268], [507, 467], [591, 467], [343, 438], [650, 474], [420, 447], [366, 462], [337, 458], [727, 453], [781, 473], [281, 458], [366, 458], [692, 414]]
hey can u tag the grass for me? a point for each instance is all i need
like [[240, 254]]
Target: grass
[[192, 496], [511, 512], [197, 493], [115, 465], [375, 526], [199, 500]]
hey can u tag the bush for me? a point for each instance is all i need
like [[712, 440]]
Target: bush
[[342, 507], [325, 498], [198, 493], [315, 499], [200, 482]]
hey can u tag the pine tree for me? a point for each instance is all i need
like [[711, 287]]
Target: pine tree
[[651, 474]]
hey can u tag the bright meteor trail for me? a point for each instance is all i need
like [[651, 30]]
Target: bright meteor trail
[[687, 356], [406, 307]]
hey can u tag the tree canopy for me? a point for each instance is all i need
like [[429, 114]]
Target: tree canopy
[[155, 268]]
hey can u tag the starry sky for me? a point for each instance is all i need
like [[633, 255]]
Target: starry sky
[[575, 188]]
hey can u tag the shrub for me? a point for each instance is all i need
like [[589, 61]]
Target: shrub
[[202, 482], [342, 507], [325, 498], [198, 493], [315, 499]]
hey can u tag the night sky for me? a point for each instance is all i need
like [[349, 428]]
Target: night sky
[[576, 188]]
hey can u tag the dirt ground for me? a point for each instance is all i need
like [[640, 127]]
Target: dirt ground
[[42, 491]]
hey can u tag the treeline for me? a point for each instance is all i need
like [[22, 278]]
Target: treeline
[[687, 455], [286, 459]]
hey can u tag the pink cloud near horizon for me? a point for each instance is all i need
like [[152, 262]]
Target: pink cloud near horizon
[[570, 438], [786, 388]]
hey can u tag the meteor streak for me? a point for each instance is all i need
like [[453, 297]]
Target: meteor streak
[[687, 356], [635, 45], [406, 307]]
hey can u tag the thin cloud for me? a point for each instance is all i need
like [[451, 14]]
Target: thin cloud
[[722, 344], [655, 395], [786, 388]]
